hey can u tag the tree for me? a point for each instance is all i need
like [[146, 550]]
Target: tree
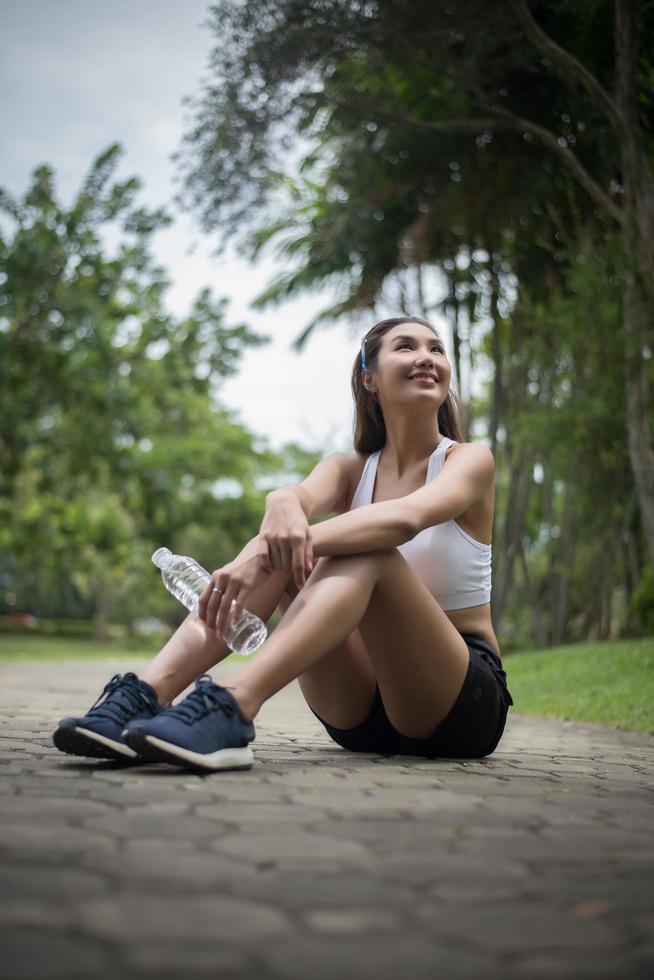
[[111, 433], [486, 141]]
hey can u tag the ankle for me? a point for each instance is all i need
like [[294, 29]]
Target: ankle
[[248, 705], [164, 695]]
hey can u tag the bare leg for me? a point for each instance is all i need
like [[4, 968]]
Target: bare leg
[[328, 608], [194, 648], [340, 687]]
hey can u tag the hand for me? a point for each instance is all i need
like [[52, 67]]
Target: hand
[[287, 533], [237, 580]]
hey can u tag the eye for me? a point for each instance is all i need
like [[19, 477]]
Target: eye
[[434, 347]]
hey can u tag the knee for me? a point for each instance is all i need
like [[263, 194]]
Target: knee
[[291, 589], [380, 557]]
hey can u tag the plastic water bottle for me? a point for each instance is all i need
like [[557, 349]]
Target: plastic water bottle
[[186, 580]]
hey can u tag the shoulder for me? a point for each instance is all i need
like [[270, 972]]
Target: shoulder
[[351, 460], [353, 466], [349, 463], [478, 454], [355, 459]]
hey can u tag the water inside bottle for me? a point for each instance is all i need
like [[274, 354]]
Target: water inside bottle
[[247, 634], [187, 581]]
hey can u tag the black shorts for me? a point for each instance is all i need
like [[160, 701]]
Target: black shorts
[[473, 727]]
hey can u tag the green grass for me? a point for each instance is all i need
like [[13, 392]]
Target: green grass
[[609, 683], [26, 647]]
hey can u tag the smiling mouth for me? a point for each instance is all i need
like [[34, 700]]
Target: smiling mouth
[[428, 379]]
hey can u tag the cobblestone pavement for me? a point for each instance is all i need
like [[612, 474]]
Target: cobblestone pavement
[[318, 864]]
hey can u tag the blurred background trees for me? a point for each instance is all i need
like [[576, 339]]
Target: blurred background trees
[[488, 162], [112, 437], [491, 162]]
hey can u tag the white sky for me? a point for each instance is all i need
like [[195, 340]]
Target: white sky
[[78, 75]]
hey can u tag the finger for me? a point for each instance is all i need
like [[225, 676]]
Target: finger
[[266, 561], [215, 601], [298, 565], [309, 555], [237, 611], [285, 560], [223, 621], [276, 557], [204, 600], [212, 610]]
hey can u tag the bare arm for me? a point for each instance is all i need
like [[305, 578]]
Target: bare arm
[[369, 528], [292, 492]]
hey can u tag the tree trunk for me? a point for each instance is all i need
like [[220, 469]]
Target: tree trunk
[[637, 327], [453, 304], [632, 561], [609, 632], [638, 318], [539, 632], [564, 564], [520, 484], [498, 400]]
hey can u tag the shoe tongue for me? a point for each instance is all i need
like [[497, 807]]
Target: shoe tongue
[[205, 694], [143, 685]]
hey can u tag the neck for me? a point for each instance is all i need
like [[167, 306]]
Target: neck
[[409, 444]]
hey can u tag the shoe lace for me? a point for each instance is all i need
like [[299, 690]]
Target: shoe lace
[[123, 697], [206, 697]]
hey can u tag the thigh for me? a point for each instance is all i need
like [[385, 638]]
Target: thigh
[[472, 728], [419, 658]]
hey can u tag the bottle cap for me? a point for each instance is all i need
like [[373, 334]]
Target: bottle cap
[[161, 556]]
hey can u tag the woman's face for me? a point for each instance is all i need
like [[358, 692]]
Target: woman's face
[[407, 350]]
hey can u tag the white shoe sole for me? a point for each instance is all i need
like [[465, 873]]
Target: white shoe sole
[[118, 747], [157, 749], [77, 740]]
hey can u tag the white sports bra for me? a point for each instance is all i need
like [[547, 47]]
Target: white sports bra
[[455, 567]]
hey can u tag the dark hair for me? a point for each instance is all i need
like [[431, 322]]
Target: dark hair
[[369, 425]]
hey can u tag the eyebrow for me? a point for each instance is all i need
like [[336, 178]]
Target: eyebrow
[[405, 336]]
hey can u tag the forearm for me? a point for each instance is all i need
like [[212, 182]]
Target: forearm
[[369, 528], [253, 547], [294, 491]]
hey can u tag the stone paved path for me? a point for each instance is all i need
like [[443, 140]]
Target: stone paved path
[[319, 864]]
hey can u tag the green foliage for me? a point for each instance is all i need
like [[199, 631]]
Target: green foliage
[[412, 142], [111, 435], [642, 601], [438, 140]]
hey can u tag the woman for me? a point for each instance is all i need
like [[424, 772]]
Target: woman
[[390, 635]]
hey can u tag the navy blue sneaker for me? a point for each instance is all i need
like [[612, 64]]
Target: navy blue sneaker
[[204, 731], [98, 733]]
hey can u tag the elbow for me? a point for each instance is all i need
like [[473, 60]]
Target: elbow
[[407, 526], [409, 531]]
